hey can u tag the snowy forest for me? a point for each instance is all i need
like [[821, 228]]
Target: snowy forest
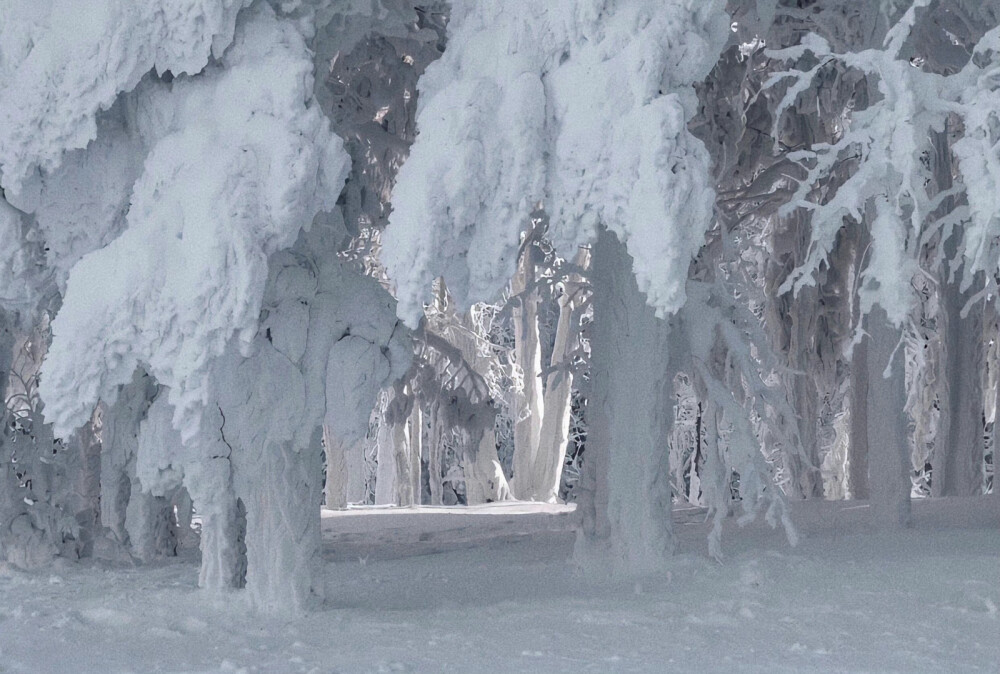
[[602, 328]]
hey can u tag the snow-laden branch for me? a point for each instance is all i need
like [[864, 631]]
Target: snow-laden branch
[[889, 143], [239, 162], [580, 107], [61, 63]]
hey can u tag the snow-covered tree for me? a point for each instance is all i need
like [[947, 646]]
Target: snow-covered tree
[[505, 127], [544, 407]]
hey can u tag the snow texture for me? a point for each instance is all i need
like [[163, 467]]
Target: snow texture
[[63, 61], [81, 205], [239, 162], [625, 494], [272, 406], [328, 342], [844, 601], [580, 107]]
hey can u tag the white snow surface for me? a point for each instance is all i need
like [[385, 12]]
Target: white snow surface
[[63, 61], [580, 107], [844, 600], [239, 162]]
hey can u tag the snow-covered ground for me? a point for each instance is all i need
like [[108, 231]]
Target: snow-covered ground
[[406, 592]]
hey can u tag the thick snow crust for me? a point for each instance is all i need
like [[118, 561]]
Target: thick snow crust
[[579, 107], [239, 162]]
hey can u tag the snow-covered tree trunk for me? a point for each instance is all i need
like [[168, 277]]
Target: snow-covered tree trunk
[[538, 468], [130, 521], [151, 526], [10, 505], [280, 486], [354, 458], [415, 431], [625, 492], [336, 471], [223, 563], [553, 438], [397, 477], [386, 474], [6, 353], [888, 448], [857, 448], [434, 456], [209, 481], [485, 481], [84, 491], [716, 475], [407, 463], [184, 507], [805, 395], [528, 356], [958, 453], [995, 437], [958, 457], [484, 478]]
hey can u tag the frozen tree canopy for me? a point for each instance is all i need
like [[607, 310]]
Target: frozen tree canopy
[[585, 116], [625, 272], [64, 62], [217, 195]]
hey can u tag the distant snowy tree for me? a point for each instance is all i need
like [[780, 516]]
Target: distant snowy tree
[[545, 405], [903, 192]]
